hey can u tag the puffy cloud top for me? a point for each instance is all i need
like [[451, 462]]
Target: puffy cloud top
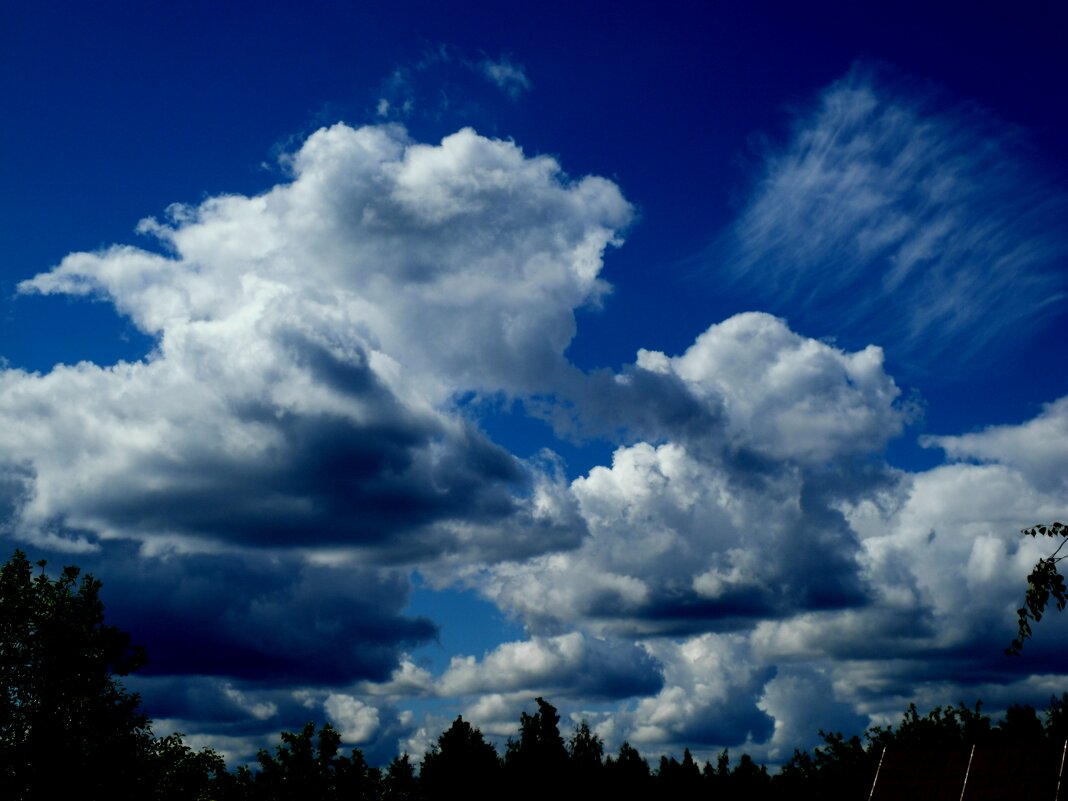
[[1035, 448], [310, 340], [784, 395], [462, 261], [731, 520]]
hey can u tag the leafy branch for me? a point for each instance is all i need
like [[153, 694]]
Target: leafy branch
[[1045, 580]]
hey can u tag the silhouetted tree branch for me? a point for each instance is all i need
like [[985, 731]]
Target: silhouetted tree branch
[[1045, 581]]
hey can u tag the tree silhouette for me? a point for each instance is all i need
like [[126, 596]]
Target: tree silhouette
[[586, 756], [585, 748], [1020, 727], [462, 763], [1056, 725], [68, 728], [628, 773], [1045, 581], [306, 766], [66, 723], [749, 780], [537, 761], [400, 782], [178, 773], [676, 779]]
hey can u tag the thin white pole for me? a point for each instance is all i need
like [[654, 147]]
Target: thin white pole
[[1060, 773], [882, 756], [966, 772]]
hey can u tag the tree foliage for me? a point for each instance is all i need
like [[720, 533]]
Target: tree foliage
[[400, 782], [585, 749], [539, 747], [63, 712], [461, 762], [68, 727], [309, 766], [845, 768], [1044, 582]]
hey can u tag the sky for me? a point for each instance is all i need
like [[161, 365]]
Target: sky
[[694, 367]]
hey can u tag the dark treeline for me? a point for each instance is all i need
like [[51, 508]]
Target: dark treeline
[[540, 762], [68, 728]]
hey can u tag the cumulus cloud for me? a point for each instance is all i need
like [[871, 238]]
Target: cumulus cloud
[[408, 680], [784, 395], [221, 704], [710, 695], [749, 385], [297, 427], [418, 252], [1036, 448], [892, 216], [571, 664], [803, 701], [355, 720], [769, 554], [730, 521], [310, 342], [946, 567]]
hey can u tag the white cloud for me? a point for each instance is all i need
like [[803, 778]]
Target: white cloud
[[261, 710], [356, 721], [498, 713], [1037, 448], [745, 555], [570, 664], [461, 262], [947, 569], [408, 680], [803, 701], [889, 216], [510, 77], [730, 521], [710, 695], [785, 395], [768, 542], [310, 342]]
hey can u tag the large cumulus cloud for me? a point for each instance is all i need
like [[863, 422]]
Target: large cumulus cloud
[[309, 342], [252, 487], [771, 549], [737, 519]]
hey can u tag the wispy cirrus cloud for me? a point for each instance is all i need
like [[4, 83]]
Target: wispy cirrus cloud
[[509, 77], [922, 228], [445, 82]]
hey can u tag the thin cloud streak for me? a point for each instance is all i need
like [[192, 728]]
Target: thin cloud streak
[[509, 77], [926, 230]]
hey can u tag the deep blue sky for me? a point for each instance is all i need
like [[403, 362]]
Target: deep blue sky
[[364, 381]]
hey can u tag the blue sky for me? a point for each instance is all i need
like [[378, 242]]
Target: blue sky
[[693, 367]]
